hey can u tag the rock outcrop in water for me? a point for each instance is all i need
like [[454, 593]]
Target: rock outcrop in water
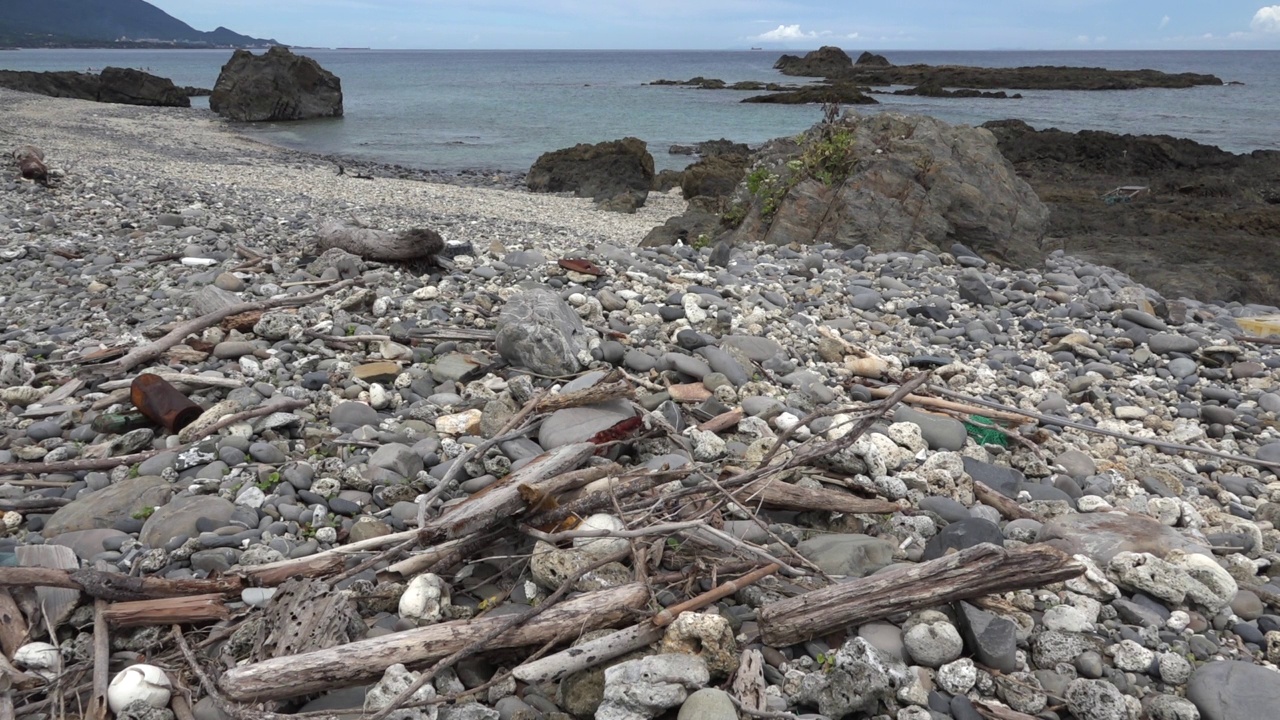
[[113, 85], [832, 63], [277, 85]]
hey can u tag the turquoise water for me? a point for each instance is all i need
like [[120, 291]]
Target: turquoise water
[[498, 110]]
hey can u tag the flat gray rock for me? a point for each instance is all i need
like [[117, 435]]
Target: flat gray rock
[[939, 431], [852, 555], [575, 425], [106, 507], [180, 517]]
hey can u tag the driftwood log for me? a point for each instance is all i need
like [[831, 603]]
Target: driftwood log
[[366, 660], [970, 573], [381, 245], [31, 165]]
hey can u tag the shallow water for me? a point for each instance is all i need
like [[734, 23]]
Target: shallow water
[[499, 110]]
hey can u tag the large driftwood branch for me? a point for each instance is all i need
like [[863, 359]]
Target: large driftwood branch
[[381, 245], [114, 586], [153, 350], [365, 660], [972, 572]]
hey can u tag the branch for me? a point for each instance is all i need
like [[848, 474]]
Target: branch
[[153, 350]]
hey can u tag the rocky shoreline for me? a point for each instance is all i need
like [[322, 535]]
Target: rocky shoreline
[[1145, 446]]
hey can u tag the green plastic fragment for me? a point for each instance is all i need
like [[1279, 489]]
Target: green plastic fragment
[[983, 430]]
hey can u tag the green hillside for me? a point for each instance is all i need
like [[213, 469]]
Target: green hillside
[[37, 23]]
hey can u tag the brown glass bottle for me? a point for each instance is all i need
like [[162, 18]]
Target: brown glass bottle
[[163, 403]]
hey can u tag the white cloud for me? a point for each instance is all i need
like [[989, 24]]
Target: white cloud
[[1164, 22], [785, 33], [1267, 19]]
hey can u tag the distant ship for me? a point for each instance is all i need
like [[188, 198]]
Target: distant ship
[[757, 48]]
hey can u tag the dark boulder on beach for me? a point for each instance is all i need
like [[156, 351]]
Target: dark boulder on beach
[[113, 85], [714, 176], [603, 172], [276, 85]]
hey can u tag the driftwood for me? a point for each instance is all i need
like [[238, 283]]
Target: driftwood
[[114, 586], [153, 350], [365, 660], [775, 493], [1009, 508], [1011, 416], [167, 611], [970, 573], [31, 165], [381, 245], [601, 650], [13, 626]]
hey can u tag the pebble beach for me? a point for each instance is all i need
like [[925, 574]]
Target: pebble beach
[[1148, 448]]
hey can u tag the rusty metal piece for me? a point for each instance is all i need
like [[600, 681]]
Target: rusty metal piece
[[162, 403], [581, 265]]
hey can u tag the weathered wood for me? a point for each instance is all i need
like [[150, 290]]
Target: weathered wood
[[1013, 418], [972, 572], [276, 573], [723, 421], [1008, 507], [775, 493], [381, 245], [594, 652], [544, 476], [167, 611], [55, 602], [153, 350], [98, 707], [115, 586], [365, 660], [33, 504], [601, 392], [13, 626]]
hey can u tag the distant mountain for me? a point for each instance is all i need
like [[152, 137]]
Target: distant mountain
[[129, 23]]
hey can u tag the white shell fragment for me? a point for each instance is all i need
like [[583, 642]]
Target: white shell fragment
[[139, 682]]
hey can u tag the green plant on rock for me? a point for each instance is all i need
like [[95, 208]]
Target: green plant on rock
[[769, 187], [702, 241], [734, 216], [144, 513], [829, 158]]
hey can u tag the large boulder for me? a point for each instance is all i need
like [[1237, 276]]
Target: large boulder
[[601, 172], [538, 331], [714, 176], [826, 61], [114, 85], [891, 182], [276, 85]]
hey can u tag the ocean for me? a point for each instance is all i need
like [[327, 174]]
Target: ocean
[[498, 110]]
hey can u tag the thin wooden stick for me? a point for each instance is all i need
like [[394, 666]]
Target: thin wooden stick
[[153, 350], [1009, 415], [101, 659]]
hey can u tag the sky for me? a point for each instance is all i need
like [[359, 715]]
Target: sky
[[739, 24]]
